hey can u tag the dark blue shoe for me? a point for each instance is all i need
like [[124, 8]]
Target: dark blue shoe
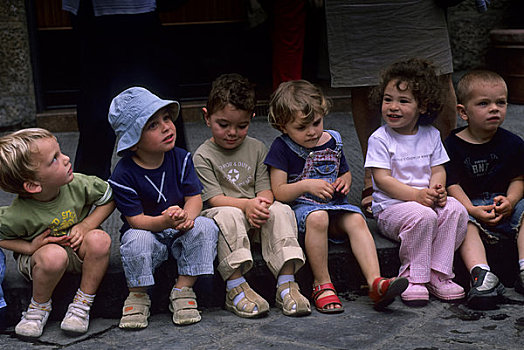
[[485, 291]]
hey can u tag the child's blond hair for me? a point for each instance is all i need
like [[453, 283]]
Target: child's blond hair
[[294, 97], [468, 80], [16, 153]]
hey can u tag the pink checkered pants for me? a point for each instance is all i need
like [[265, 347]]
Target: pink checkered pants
[[428, 236]]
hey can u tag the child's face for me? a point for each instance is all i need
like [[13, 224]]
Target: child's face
[[228, 126], [400, 109], [158, 135], [305, 134], [486, 108], [54, 168]]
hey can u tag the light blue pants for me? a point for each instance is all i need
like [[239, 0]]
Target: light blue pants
[[143, 251], [2, 272]]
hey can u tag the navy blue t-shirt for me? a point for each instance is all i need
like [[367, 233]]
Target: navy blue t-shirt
[[150, 191], [487, 167], [282, 157]]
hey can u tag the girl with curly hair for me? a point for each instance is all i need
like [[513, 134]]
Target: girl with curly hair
[[410, 202]]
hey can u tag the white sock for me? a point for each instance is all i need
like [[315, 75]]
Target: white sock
[[521, 264], [230, 284], [482, 266], [41, 306], [285, 279], [84, 298]]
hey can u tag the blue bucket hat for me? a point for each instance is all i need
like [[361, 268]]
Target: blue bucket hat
[[129, 112]]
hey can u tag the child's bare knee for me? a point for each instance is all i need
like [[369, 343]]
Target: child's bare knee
[[97, 241], [50, 258], [318, 219]]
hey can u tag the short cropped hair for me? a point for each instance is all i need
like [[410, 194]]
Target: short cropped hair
[[231, 89], [468, 80], [294, 97], [421, 79], [16, 152]]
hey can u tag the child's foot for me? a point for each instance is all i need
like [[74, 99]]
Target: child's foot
[[32, 323], [444, 288], [245, 302], [519, 283], [416, 294], [326, 299], [136, 311], [293, 303], [184, 306], [383, 291], [485, 289], [76, 319]]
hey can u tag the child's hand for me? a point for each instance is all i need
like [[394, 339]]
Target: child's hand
[[45, 238], [427, 196], [486, 214], [174, 212], [442, 195], [175, 216], [76, 235], [257, 212], [341, 185], [320, 188], [187, 225], [503, 206]]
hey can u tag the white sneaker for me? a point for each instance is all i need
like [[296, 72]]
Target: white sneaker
[[76, 319], [32, 323]]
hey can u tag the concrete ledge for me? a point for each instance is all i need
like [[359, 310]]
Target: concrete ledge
[[344, 270]]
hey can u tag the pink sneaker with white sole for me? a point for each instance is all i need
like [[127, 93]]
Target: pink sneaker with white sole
[[416, 294], [444, 288]]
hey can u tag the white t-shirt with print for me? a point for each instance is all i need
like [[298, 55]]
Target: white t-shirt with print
[[409, 157]]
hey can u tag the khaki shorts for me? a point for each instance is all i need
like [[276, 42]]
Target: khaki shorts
[[74, 264]]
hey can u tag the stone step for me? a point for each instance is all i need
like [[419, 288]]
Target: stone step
[[345, 272]]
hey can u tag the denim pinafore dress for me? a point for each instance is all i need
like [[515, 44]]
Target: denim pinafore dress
[[323, 164]]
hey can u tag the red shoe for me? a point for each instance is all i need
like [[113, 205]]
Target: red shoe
[[322, 301], [383, 291]]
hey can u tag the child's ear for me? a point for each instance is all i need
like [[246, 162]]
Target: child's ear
[[206, 116], [32, 187], [423, 109], [462, 112]]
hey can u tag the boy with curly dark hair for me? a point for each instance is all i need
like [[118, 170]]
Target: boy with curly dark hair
[[238, 196]]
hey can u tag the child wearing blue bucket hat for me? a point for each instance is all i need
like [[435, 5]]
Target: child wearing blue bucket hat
[[157, 192]]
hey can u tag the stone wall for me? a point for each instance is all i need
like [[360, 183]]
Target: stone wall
[[17, 97], [469, 29]]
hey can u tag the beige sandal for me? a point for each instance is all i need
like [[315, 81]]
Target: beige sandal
[[246, 306], [293, 298], [135, 311], [184, 306]]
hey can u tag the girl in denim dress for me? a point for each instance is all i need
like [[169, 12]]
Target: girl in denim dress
[[309, 171]]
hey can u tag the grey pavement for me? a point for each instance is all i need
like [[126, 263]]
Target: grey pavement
[[436, 326]]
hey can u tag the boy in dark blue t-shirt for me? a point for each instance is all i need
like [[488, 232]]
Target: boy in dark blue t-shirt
[[486, 175], [157, 192]]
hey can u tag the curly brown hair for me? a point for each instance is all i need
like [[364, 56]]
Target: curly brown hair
[[231, 89], [293, 97], [421, 79]]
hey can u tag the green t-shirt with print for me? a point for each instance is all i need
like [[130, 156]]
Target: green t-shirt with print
[[26, 218]]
